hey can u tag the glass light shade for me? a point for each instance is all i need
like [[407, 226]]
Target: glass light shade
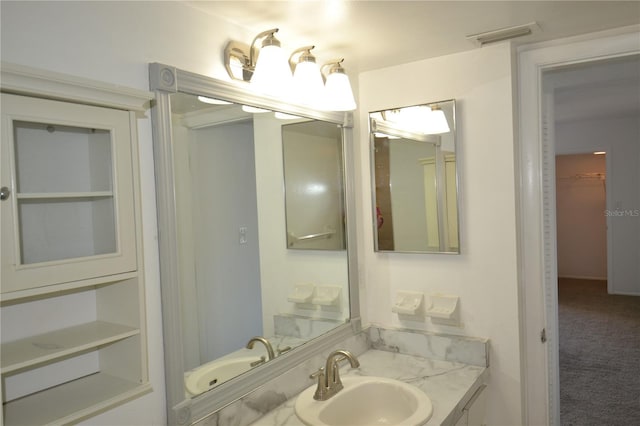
[[254, 110], [283, 116], [212, 101], [436, 123], [339, 96], [308, 87], [272, 75]]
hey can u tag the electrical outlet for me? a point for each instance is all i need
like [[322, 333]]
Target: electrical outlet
[[243, 234]]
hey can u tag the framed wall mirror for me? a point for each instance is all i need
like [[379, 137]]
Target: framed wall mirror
[[415, 179], [240, 307]]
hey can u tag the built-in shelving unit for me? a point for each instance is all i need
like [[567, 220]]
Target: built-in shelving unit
[[73, 341]]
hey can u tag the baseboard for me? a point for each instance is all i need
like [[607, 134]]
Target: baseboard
[[577, 277]]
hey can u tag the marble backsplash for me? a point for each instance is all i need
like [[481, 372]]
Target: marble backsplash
[[445, 347], [264, 399], [302, 327]]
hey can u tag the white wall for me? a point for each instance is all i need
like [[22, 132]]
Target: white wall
[[620, 137], [224, 188], [114, 42], [484, 275]]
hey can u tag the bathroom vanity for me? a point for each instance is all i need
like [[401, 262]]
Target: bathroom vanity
[[451, 386], [451, 370]]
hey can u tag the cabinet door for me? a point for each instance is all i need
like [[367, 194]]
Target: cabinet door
[[69, 213]]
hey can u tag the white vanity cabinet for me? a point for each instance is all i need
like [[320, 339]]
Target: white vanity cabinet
[[473, 413], [73, 341]]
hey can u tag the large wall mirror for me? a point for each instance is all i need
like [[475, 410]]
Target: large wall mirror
[[239, 305], [414, 174]]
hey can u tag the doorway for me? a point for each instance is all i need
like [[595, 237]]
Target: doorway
[[537, 220], [597, 330]]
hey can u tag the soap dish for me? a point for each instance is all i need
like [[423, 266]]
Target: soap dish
[[408, 303], [327, 296], [302, 293], [443, 309]]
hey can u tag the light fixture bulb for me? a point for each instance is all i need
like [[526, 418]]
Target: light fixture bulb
[[339, 96], [272, 75], [307, 85]]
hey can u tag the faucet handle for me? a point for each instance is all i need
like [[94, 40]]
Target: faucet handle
[[321, 389], [318, 374]]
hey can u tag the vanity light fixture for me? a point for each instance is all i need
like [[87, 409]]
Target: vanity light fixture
[[339, 96], [267, 70], [308, 86]]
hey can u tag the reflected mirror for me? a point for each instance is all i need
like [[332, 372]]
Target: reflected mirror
[[413, 155], [313, 175], [238, 277]]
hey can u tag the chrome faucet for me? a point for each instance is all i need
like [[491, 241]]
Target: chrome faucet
[[329, 382], [265, 342]]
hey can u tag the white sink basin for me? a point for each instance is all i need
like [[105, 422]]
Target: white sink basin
[[366, 401], [211, 375]]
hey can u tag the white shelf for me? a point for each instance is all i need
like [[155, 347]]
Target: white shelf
[[73, 401], [63, 195], [48, 347]]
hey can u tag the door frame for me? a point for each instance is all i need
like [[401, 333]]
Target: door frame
[[537, 268]]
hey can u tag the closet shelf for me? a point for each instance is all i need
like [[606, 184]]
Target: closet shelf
[[44, 348]]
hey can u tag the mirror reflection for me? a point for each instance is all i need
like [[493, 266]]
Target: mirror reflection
[[313, 173], [246, 298], [415, 178]]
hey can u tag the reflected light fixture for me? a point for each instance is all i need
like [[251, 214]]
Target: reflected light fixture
[[307, 85], [284, 116], [339, 96], [212, 101], [422, 119], [254, 110], [436, 122]]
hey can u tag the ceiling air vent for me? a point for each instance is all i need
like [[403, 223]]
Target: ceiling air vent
[[503, 34]]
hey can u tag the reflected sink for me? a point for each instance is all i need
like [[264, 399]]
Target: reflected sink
[[211, 375], [366, 401]]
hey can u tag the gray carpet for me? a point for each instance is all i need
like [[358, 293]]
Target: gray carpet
[[599, 355]]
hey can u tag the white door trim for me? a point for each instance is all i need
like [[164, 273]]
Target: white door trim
[[536, 214]]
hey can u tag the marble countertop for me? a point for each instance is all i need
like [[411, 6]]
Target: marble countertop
[[450, 385]]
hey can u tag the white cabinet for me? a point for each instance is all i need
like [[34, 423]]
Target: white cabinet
[[73, 339], [473, 413], [69, 213]]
